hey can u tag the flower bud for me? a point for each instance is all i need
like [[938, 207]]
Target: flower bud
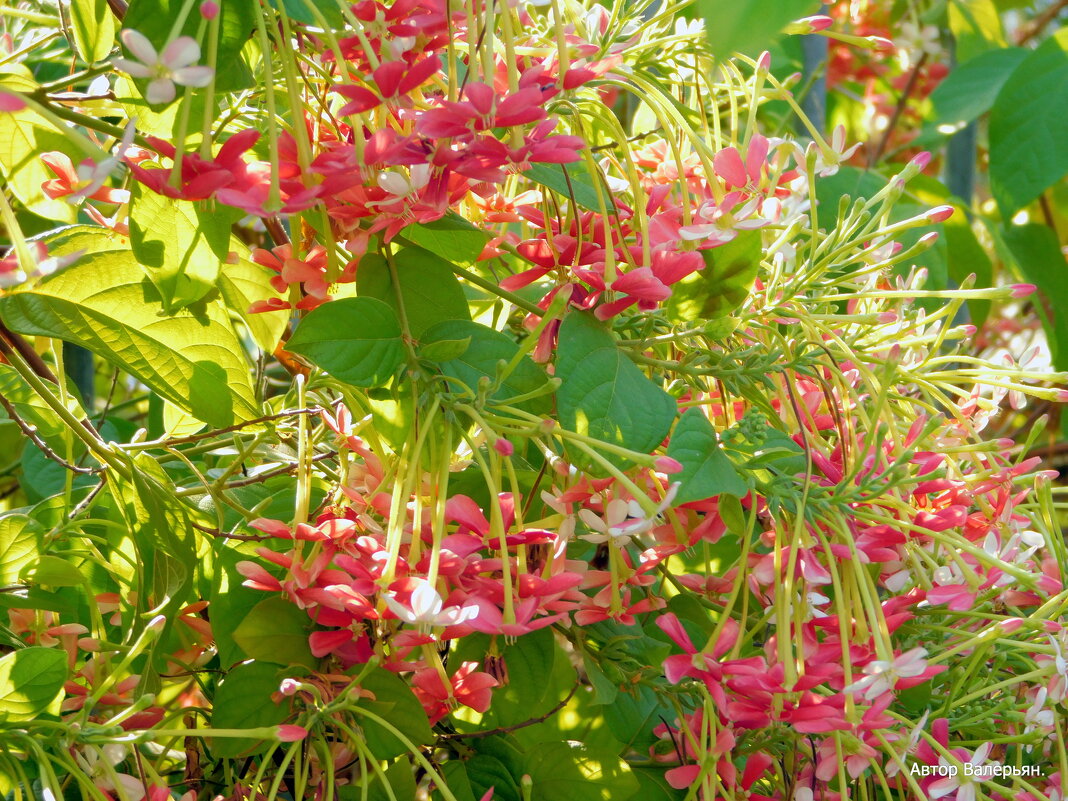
[[209, 9], [665, 464], [288, 733], [939, 214], [1023, 290], [503, 446]]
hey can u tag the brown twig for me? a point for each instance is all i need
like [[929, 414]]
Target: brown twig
[[910, 86], [505, 729], [30, 431], [1039, 23]]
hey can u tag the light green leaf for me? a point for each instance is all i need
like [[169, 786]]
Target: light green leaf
[[31, 682], [1028, 127], [603, 394], [970, 89], [749, 26], [275, 630], [428, 288], [724, 283], [976, 26], [356, 340], [24, 136], [106, 304], [572, 181], [573, 772], [243, 701], [452, 238], [179, 243], [33, 409], [20, 539], [93, 26], [244, 283], [706, 470], [52, 571], [84, 239], [485, 349]]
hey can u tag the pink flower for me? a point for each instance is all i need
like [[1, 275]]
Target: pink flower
[[173, 66], [425, 607], [881, 676]]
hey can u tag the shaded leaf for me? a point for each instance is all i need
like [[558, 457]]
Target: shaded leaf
[[275, 630], [706, 470], [573, 772], [970, 89], [1039, 257], [243, 701]]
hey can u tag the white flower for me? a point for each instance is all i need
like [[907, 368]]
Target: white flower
[[881, 676], [962, 781], [175, 65], [426, 608]]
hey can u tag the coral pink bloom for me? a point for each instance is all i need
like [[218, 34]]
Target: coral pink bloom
[[393, 79], [468, 687], [482, 110], [79, 183]]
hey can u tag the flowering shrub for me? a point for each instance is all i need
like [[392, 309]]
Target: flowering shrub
[[496, 402]]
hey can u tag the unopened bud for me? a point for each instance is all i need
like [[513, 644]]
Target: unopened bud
[[1023, 290], [288, 733], [665, 464], [939, 214], [289, 687], [503, 446], [209, 9]]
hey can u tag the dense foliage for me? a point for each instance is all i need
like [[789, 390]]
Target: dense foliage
[[532, 400]]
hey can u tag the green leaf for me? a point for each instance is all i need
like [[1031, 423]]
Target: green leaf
[[179, 243], [1039, 257], [970, 89], [603, 394], [485, 771], [452, 238], [24, 136], [20, 539], [31, 682], [244, 283], [573, 772], [93, 26], [749, 26], [486, 348], [976, 27], [106, 304], [394, 702], [724, 283], [33, 409], [156, 18], [84, 239], [443, 350], [276, 631], [356, 340], [1028, 127], [706, 470], [572, 181], [652, 786], [401, 780], [243, 701], [429, 289], [301, 11], [52, 571], [965, 256]]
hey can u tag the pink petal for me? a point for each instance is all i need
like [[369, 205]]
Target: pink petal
[[182, 52], [729, 167], [138, 44], [193, 76], [160, 90]]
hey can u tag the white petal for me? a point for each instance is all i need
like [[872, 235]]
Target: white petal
[[138, 44], [193, 76], [160, 90], [182, 52], [133, 68], [399, 609], [426, 603]]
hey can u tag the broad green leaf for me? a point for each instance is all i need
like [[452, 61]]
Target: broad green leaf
[[401, 780], [976, 27], [443, 350], [749, 26], [20, 539], [276, 631], [429, 289], [53, 571], [970, 89], [706, 470], [603, 394], [93, 26], [652, 786], [309, 11], [106, 304], [33, 410], [486, 348], [572, 181], [456, 778], [31, 682], [724, 283], [1039, 257], [179, 243], [485, 771], [84, 239], [356, 340], [156, 18], [573, 772], [394, 702], [965, 256], [244, 283], [452, 238], [24, 136], [231, 601], [1028, 127], [42, 477], [243, 701]]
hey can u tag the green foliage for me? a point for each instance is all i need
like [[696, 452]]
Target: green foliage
[[572, 772], [969, 91], [276, 631], [243, 701], [93, 27], [390, 698], [31, 683], [452, 238], [1040, 260], [179, 243], [572, 181], [426, 292], [20, 539], [706, 470], [603, 394], [356, 340], [105, 303], [747, 26], [722, 285], [24, 136], [1028, 128]]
